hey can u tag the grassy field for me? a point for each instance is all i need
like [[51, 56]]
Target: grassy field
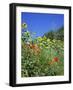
[[43, 57]]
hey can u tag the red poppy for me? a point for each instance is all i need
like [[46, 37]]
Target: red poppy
[[56, 59]]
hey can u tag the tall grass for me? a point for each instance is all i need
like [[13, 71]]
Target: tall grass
[[48, 62]]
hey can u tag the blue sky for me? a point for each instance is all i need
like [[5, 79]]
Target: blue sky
[[41, 23]]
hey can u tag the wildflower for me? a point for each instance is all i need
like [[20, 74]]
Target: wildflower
[[34, 48], [56, 59], [24, 25]]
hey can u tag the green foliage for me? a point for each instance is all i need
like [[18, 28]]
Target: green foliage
[[58, 34], [38, 65], [43, 57], [26, 36]]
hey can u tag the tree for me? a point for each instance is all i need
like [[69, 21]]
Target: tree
[[58, 34]]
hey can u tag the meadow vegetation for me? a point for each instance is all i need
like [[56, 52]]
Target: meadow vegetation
[[42, 56]]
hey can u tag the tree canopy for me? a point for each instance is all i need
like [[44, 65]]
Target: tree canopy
[[58, 34]]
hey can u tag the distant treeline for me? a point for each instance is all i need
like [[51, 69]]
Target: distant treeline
[[58, 34]]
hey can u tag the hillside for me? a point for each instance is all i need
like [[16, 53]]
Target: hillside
[[58, 34]]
